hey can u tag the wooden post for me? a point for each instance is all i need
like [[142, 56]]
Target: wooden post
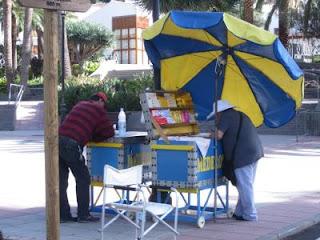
[[51, 123]]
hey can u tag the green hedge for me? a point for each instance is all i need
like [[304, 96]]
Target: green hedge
[[121, 93]]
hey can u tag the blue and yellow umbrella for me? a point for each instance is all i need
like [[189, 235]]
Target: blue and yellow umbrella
[[259, 77]]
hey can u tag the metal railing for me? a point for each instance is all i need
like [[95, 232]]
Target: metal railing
[[18, 95]]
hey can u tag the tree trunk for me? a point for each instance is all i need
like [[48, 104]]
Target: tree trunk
[[248, 11], [14, 45], [306, 17], [7, 26], [67, 63], [40, 43], [26, 46], [283, 22], [269, 18]]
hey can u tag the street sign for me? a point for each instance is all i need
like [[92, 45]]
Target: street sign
[[61, 5]]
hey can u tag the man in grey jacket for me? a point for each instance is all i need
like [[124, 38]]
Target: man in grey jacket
[[242, 150]]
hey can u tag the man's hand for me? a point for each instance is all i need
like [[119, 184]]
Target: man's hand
[[217, 134]]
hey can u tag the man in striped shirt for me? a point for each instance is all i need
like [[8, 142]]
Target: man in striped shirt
[[87, 121]]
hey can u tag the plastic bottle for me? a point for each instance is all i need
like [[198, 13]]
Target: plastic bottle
[[122, 123]]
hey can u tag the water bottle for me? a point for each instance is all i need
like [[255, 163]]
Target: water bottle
[[122, 123]]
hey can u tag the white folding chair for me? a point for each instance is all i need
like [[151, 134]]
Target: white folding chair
[[131, 179]]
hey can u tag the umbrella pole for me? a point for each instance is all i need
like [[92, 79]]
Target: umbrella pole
[[218, 71]]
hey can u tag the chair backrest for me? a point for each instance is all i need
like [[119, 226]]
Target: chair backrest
[[123, 177]]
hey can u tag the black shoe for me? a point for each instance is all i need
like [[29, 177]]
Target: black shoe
[[68, 219], [240, 218], [88, 218]]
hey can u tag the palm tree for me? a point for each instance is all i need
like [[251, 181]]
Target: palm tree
[[17, 25], [67, 63], [7, 25], [26, 46], [248, 11], [37, 25], [284, 22]]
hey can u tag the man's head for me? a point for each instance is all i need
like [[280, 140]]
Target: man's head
[[222, 106], [100, 98]]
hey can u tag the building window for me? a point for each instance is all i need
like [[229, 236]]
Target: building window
[[124, 44], [117, 44], [132, 32], [124, 33], [132, 56], [128, 38], [132, 43], [117, 34], [124, 58]]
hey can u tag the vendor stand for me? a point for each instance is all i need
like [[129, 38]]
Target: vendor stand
[[181, 157]]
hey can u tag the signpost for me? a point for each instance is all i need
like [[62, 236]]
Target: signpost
[[50, 72], [60, 5]]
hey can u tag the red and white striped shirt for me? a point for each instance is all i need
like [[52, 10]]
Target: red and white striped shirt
[[87, 121]]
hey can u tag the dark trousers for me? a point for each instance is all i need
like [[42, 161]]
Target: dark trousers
[[70, 157]]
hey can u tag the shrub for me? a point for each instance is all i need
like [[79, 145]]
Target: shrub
[[121, 93], [89, 67]]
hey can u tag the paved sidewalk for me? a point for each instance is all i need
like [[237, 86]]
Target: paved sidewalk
[[287, 194]]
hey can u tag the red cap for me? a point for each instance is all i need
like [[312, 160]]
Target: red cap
[[102, 95]]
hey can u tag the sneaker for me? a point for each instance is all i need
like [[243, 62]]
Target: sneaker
[[68, 219], [240, 218], [88, 218]]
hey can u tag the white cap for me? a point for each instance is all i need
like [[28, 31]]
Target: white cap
[[222, 106]]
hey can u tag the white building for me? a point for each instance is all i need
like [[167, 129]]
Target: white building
[[127, 21]]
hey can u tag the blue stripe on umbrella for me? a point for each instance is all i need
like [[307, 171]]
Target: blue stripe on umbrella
[[219, 32], [256, 49], [277, 107], [201, 88], [170, 46], [195, 20], [153, 53], [284, 58]]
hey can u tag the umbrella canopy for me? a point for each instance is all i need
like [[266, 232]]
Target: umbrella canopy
[[255, 73]]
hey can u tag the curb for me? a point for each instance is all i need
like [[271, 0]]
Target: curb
[[292, 229], [22, 133]]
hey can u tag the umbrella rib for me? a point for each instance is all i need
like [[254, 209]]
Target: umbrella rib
[[195, 54], [207, 36], [257, 56], [233, 69]]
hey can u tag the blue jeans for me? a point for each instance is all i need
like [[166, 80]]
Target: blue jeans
[[245, 179], [70, 157]]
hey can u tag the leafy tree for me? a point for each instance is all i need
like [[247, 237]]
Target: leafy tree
[[86, 39], [306, 18], [196, 5]]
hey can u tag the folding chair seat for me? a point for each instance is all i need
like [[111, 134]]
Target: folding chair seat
[[131, 180]]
